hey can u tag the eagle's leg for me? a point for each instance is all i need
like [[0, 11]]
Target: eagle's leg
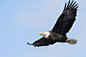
[[67, 41], [71, 41]]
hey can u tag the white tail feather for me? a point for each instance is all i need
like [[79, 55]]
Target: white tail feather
[[72, 41]]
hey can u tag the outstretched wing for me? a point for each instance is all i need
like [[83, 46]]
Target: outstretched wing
[[66, 19], [42, 42]]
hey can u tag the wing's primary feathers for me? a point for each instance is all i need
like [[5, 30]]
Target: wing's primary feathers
[[42, 42], [66, 19]]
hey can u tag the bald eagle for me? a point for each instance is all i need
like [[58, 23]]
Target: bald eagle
[[61, 27]]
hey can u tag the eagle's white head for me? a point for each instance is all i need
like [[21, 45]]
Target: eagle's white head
[[45, 34]]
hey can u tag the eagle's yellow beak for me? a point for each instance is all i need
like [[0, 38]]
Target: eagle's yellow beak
[[40, 33]]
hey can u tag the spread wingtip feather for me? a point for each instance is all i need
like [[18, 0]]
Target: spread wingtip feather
[[29, 43], [71, 5]]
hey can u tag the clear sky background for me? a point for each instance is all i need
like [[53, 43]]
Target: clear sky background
[[21, 21]]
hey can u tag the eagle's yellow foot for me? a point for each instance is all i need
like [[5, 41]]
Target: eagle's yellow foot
[[67, 41]]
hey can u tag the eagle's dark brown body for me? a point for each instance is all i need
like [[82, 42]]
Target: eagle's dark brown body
[[61, 27], [57, 37]]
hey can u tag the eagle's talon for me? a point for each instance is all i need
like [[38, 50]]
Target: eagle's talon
[[67, 41]]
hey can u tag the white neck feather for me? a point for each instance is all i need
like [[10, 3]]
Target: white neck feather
[[46, 34]]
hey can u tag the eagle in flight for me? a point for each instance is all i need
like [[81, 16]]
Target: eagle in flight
[[61, 27]]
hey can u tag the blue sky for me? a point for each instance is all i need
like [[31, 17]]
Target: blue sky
[[21, 21]]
